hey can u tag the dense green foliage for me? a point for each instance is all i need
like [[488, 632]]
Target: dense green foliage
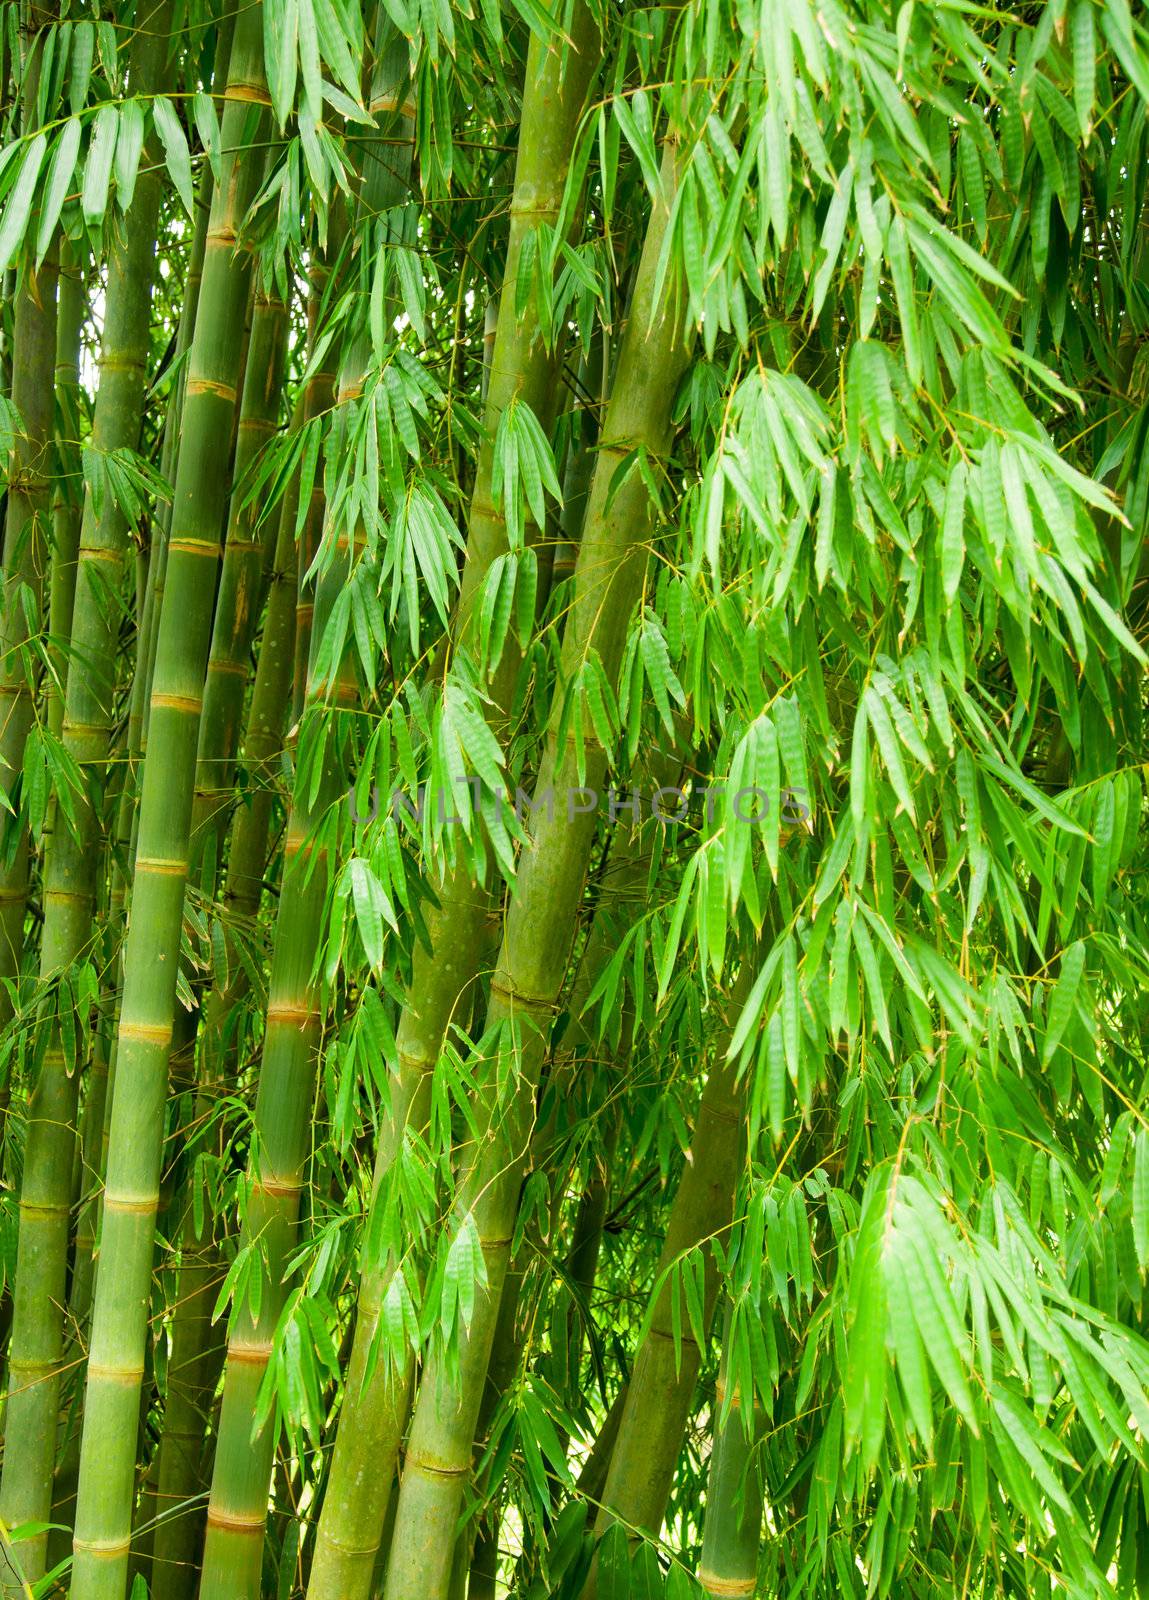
[[572, 863]]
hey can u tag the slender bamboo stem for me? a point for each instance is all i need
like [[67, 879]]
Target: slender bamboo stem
[[122, 843], [25, 562], [355, 1505], [70, 867], [540, 927], [237, 1507], [661, 1386], [731, 1531], [119, 1324], [196, 1348], [627, 864], [72, 857]]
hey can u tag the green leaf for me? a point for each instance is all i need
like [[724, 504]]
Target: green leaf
[[19, 205], [98, 168], [1063, 999], [61, 175], [176, 153], [1139, 1198]]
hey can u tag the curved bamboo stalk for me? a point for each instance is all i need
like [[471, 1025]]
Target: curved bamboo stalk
[[119, 1324], [355, 1504], [627, 864], [540, 926], [661, 1386]]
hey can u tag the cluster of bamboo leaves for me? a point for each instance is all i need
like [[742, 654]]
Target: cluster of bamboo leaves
[[573, 938]]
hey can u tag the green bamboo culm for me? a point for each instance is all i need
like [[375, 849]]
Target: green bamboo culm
[[196, 1355], [72, 858], [149, 595], [196, 1347], [541, 921], [152, 564], [661, 1386], [119, 1323], [237, 610], [237, 1508], [240, 599], [733, 1523], [376, 1401], [26, 537], [620, 889], [318, 398]]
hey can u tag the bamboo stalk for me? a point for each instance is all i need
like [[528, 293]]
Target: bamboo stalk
[[196, 1348], [731, 1531], [25, 556], [318, 398], [661, 1386], [119, 1324], [72, 857], [540, 926], [237, 1507], [627, 864], [374, 1413], [122, 843], [70, 872], [237, 611]]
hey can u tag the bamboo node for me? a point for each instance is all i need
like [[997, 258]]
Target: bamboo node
[[529, 1002], [251, 1355], [223, 391], [683, 1338], [195, 547], [146, 1032], [130, 1205], [233, 669], [190, 704], [725, 1586], [488, 509], [115, 1374], [99, 552], [434, 1470], [254, 93], [392, 102], [161, 868], [232, 1522], [102, 1549], [275, 1188], [301, 1016], [716, 1115]]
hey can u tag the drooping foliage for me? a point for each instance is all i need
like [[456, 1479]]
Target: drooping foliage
[[572, 864]]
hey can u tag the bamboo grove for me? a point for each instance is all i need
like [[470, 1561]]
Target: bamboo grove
[[573, 874]]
